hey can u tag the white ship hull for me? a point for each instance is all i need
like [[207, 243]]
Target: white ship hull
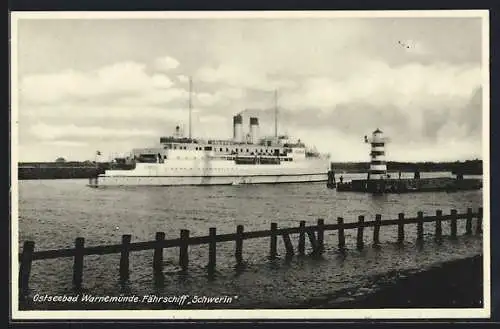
[[104, 181], [175, 173]]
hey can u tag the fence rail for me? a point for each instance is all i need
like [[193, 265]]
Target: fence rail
[[314, 233]]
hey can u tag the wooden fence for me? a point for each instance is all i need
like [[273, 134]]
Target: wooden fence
[[314, 233]]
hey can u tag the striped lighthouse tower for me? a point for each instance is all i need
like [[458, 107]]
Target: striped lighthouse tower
[[378, 166]]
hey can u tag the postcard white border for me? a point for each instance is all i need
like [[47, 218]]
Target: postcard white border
[[291, 314]]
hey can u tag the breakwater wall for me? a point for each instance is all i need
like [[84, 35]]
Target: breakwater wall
[[55, 170], [407, 185]]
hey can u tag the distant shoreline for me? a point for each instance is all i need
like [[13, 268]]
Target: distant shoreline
[[87, 169]]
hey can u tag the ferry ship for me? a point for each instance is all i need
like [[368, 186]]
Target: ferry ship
[[244, 159]]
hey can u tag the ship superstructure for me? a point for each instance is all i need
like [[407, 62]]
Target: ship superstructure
[[244, 159]]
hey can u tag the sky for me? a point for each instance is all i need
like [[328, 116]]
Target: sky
[[116, 84]]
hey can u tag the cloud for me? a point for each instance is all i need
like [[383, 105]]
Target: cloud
[[183, 78], [243, 77], [405, 86], [59, 143], [52, 132], [166, 63], [223, 97], [119, 79]]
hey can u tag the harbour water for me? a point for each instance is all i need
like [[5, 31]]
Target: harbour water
[[54, 212]]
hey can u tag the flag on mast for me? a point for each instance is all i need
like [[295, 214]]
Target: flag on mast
[[98, 153]]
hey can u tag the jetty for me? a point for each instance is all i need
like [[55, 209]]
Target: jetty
[[446, 184], [378, 180]]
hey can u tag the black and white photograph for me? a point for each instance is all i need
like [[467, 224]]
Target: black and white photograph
[[250, 165]]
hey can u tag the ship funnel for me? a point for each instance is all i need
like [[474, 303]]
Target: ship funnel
[[238, 128], [254, 130]]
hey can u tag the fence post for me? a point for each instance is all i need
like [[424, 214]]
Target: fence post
[[124, 257], [272, 253], [239, 244], [313, 241], [401, 228], [376, 229], [420, 226], [212, 233], [158, 252], [453, 224], [340, 222], [288, 244], [439, 228], [25, 266], [468, 223], [302, 237], [183, 250], [479, 227], [321, 235], [359, 239], [78, 263]]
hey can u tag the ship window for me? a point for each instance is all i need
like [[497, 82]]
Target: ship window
[[164, 157], [175, 147], [227, 150], [221, 149], [208, 148]]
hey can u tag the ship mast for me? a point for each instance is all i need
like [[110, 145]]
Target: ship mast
[[190, 104], [276, 114]]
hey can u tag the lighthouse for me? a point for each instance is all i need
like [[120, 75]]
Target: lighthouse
[[378, 166]]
